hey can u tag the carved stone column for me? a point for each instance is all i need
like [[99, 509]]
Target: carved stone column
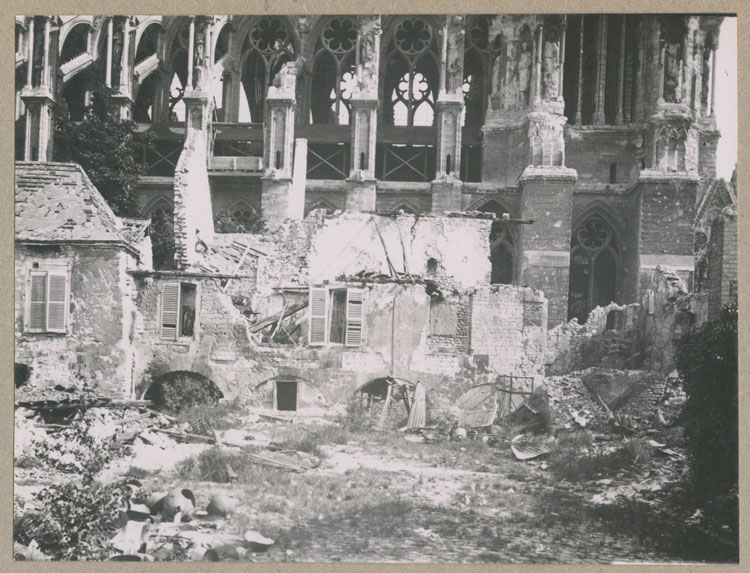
[[361, 190], [108, 71], [124, 97], [579, 118], [601, 70], [538, 63], [619, 118], [277, 200], [39, 99]]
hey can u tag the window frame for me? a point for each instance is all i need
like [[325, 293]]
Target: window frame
[[354, 316], [48, 269], [178, 336]]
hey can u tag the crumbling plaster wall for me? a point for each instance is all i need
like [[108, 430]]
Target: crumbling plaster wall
[[96, 348], [193, 212], [497, 330], [350, 243]]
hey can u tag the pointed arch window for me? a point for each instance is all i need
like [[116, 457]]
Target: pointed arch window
[[478, 59], [411, 75], [179, 74], [333, 77], [265, 49], [594, 267]]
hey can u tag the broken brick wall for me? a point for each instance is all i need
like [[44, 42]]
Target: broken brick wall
[[96, 347], [220, 347], [565, 341], [449, 345]]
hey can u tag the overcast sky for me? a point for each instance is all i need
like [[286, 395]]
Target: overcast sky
[[726, 98]]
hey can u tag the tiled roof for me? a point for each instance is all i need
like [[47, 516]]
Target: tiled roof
[[57, 202]]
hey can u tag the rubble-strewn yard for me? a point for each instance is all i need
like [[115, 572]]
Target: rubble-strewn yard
[[282, 488]]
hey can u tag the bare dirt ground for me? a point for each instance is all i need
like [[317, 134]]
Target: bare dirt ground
[[382, 499], [377, 497]]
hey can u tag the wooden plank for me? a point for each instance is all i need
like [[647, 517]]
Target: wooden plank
[[261, 324], [384, 413]]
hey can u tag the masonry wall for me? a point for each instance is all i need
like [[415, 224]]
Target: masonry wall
[[505, 154], [667, 210], [722, 264], [96, 348], [449, 345], [592, 150]]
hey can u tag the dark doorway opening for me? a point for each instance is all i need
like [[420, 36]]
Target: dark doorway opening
[[286, 396]]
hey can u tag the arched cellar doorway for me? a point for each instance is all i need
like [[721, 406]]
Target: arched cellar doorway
[[594, 267]]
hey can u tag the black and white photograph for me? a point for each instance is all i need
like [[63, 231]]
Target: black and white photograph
[[376, 288]]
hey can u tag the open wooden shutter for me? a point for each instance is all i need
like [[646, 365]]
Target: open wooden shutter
[[170, 304], [318, 315], [57, 300], [38, 302], [354, 316]]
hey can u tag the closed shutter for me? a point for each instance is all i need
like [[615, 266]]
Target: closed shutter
[[38, 302], [57, 299], [170, 300], [354, 316], [318, 315]]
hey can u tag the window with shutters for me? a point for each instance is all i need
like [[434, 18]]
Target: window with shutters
[[336, 316], [179, 303], [48, 296]]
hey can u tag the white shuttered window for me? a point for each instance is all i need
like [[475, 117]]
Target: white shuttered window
[[336, 316], [49, 299]]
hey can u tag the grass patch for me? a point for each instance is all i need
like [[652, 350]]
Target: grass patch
[[308, 439], [224, 415]]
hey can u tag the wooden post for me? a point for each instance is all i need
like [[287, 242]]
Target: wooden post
[[386, 405]]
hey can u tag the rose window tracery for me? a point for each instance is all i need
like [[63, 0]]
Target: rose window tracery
[[413, 36]]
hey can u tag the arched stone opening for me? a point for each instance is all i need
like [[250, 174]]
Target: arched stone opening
[[181, 389], [594, 267], [75, 44], [384, 401]]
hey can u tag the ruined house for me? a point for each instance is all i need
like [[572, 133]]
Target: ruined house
[[74, 303], [590, 138]]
